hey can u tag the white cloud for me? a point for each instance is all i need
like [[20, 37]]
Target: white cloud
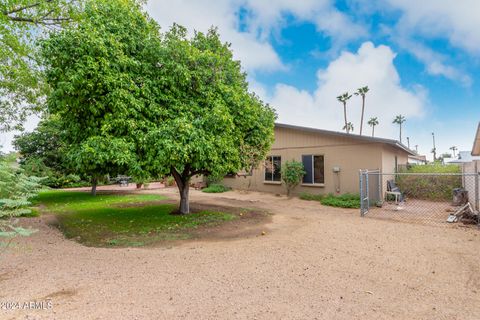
[[434, 62], [370, 65], [250, 44], [457, 21], [255, 54]]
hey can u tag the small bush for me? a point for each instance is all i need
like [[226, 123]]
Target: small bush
[[311, 197], [216, 188], [347, 200], [434, 168], [342, 201], [292, 174]]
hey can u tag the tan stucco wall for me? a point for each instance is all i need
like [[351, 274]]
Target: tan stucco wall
[[349, 154]]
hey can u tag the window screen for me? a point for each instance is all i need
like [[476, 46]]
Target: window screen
[[273, 167], [318, 169]]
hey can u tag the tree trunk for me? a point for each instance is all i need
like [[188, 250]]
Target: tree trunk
[[184, 203], [345, 115], [363, 110], [139, 185], [400, 133], [373, 131], [183, 188], [94, 186]]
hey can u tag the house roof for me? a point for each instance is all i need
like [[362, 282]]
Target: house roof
[[418, 158], [391, 142], [464, 156], [476, 143]]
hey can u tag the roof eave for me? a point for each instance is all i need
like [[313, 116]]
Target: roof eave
[[476, 143], [390, 142]]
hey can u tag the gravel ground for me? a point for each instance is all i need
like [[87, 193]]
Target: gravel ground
[[313, 263]]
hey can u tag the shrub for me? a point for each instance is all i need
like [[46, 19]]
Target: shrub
[[292, 174], [311, 197], [347, 200], [15, 191], [430, 187], [216, 188], [342, 201]]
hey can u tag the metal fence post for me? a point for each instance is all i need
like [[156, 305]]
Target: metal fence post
[[477, 200], [367, 187], [380, 186], [360, 175]]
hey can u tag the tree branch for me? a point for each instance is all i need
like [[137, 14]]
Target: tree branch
[[15, 10]]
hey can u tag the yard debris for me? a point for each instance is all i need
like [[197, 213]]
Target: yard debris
[[464, 213], [369, 292]]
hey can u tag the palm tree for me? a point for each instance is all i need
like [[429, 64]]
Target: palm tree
[[372, 123], [343, 99], [362, 92], [348, 127], [399, 120], [453, 148]]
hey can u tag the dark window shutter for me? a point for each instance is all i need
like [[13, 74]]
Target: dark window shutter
[[307, 165]]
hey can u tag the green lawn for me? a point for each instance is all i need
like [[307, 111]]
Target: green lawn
[[122, 220]]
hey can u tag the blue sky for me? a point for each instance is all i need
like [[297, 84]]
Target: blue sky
[[419, 58]]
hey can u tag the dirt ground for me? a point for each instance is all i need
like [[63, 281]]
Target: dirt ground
[[314, 262]]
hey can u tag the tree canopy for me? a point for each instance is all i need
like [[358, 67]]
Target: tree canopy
[[22, 88], [96, 70], [147, 103]]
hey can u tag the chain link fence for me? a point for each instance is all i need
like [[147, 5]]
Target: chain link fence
[[427, 198]]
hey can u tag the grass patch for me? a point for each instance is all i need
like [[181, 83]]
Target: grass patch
[[311, 197], [342, 201], [216, 188], [123, 220]]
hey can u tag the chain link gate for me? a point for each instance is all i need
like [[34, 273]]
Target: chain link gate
[[420, 197]]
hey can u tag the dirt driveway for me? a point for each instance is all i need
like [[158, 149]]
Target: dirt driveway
[[313, 263]]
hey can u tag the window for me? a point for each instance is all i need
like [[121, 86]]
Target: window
[[273, 165], [314, 168]]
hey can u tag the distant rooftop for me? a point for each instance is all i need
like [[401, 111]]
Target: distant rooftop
[[464, 156]]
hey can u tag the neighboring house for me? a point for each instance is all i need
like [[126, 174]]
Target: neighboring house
[[470, 162], [332, 160], [464, 158], [476, 143], [417, 159]]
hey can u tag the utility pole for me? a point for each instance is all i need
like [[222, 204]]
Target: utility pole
[[434, 150], [408, 142], [416, 148]]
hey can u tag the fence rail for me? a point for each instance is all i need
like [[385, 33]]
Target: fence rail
[[439, 198]]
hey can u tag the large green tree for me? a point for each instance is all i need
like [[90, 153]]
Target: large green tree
[[98, 73], [22, 22], [210, 123], [137, 101], [46, 143]]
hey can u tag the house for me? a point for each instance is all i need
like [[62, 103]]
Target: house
[[332, 160], [464, 159], [476, 143], [471, 167], [417, 159]]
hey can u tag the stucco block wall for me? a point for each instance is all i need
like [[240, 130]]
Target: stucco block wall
[[349, 154], [469, 181]]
